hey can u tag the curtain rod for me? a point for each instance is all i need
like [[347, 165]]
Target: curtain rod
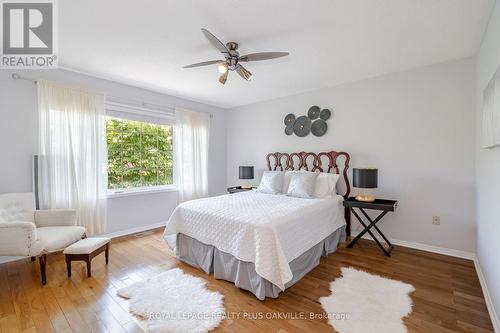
[[16, 76]]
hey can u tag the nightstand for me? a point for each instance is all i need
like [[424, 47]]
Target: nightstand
[[236, 189], [382, 205]]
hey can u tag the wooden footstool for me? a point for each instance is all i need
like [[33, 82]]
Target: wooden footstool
[[85, 250]]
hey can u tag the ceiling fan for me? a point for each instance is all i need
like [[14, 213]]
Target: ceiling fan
[[233, 58]]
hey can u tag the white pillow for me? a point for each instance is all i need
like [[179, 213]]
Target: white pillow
[[271, 182], [326, 184], [286, 180], [302, 184]]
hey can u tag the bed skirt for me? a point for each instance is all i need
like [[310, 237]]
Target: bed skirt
[[225, 266]]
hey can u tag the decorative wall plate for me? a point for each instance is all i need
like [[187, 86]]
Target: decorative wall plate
[[313, 112], [325, 114], [319, 127], [302, 126], [289, 119]]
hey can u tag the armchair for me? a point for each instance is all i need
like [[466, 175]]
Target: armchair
[[25, 231]]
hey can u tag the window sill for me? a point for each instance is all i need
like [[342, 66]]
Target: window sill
[[140, 191]]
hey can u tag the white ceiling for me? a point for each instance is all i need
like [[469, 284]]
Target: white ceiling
[[146, 43]]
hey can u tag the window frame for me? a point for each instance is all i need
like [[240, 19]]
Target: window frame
[[124, 192], [148, 113]]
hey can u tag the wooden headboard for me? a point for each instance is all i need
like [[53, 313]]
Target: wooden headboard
[[322, 162]]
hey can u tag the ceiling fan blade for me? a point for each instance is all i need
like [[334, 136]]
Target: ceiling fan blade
[[223, 77], [205, 63], [215, 41], [243, 72], [263, 56]]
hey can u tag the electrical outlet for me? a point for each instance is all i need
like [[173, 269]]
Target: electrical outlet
[[436, 220]]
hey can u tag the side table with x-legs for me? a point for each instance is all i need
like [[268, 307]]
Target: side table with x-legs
[[384, 206]]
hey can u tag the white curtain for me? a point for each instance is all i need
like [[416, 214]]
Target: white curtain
[[72, 153], [191, 135]]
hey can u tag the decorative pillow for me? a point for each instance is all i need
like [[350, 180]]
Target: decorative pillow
[[271, 182], [302, 184], [326, 183], [286, 180]]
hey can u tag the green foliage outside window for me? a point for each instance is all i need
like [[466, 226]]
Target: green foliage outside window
[[139, 154]]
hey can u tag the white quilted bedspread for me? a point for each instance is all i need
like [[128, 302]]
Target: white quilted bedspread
[[266, 229]]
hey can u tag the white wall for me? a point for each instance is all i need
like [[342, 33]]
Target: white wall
[[488, 169], [19, 141], [415, 126]]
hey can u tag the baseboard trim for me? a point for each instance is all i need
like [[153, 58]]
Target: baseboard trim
[[134, 230], [6, 259], [425, 247], [126, 232], [487, 297]]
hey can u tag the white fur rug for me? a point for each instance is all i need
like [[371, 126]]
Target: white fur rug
[[174, 302], [361, 302]]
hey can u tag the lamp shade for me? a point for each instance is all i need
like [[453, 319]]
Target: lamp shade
[[246, 172], [365, 178]]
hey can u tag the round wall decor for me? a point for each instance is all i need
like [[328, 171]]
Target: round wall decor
[[302, 126], [313, 112], [319, 127], [325, 114], [289, 119]]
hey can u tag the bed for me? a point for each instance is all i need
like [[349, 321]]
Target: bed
[[263, 243]]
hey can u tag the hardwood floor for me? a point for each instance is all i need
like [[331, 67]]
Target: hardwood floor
[[448, 295]]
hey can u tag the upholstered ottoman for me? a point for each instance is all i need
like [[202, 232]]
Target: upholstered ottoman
[[85, 250]]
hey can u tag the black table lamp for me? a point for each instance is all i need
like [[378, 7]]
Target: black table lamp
[[246, 172], [365, 178]]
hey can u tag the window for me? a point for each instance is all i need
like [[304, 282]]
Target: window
[[139, 153]]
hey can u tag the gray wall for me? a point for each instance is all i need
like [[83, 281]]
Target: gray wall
[[488, 169], [415, 126], [19, 141]]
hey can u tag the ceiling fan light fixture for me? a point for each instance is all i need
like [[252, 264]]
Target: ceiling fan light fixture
[[223, 77], [233, 58], [246, 73], [223, 68]]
